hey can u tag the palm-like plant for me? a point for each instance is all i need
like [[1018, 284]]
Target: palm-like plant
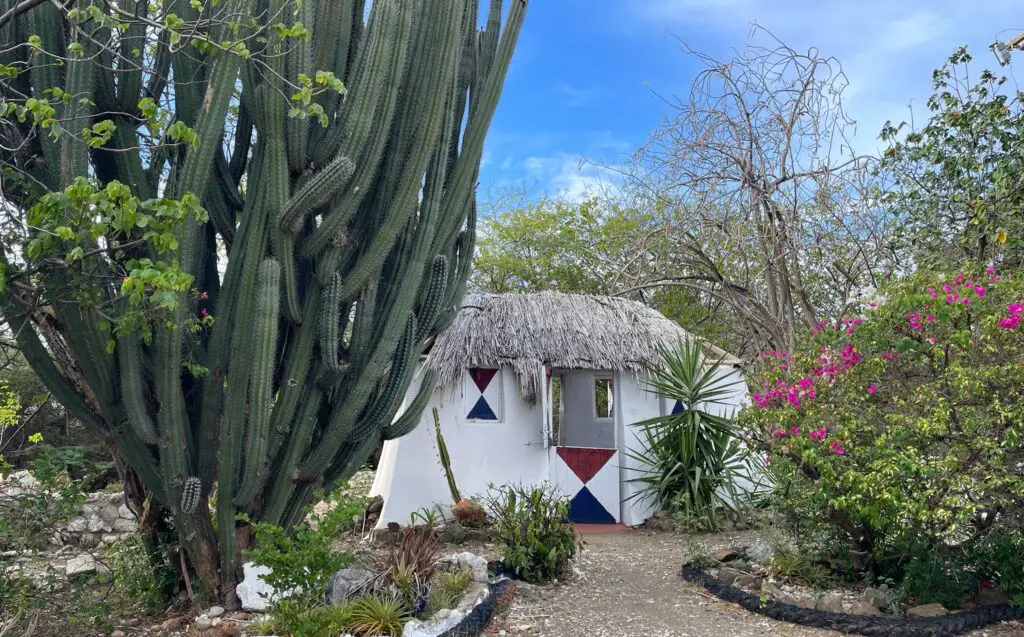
[[691, 459]]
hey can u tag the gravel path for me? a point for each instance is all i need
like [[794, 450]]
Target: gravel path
[[628, 584]]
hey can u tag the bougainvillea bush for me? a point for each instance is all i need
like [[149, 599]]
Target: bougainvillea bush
[[897, 431]]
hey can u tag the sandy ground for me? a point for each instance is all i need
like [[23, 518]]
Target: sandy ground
[[628, 584]]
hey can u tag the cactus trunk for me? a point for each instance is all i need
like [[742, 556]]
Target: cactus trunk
[[339, 233]]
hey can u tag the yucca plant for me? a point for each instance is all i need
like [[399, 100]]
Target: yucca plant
[[691, 458]]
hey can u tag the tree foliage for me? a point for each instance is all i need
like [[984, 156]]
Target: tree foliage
[[230, 227], [958, 180]]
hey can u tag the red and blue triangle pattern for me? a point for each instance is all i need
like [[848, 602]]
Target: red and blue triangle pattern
[[483, 394], [592, 481]]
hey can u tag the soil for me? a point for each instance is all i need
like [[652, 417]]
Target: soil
[[628, 583]]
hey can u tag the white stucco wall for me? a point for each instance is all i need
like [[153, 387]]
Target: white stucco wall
[[634, 404], [409, 475]]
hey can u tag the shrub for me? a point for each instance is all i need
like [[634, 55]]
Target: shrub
[[530, 525], [690, 460], [897, 432], [378, 615], [135, 578], [319, 621], [303, 559]]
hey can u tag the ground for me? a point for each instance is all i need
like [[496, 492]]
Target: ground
[[628, 584]]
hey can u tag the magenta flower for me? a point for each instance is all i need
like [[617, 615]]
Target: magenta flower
[[980, 290], [932, 293], [202, 312], [990, 270], [872, 388], [1015, 309], [794, 430], [837, 448], [1009, 322]]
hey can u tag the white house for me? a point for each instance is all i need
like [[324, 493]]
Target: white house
[[536, 388]]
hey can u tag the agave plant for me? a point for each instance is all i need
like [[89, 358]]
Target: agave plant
[[691, 459]]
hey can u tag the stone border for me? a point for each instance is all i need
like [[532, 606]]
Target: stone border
[[871, 626], [499, 597]]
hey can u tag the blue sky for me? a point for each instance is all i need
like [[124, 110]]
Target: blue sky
[[583, 89]]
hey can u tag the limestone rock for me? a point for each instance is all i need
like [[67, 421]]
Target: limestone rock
[[725, 555], [864, 607], [833, 602], [122, 525], [877, 597], [760, 551], [254, 593], [81, 565], [215, 611], [441, 623], [125, 513], [347, 583], [203, 622], [476, 564], [77, 524], [927, 610], [729, 575], [109, 514]]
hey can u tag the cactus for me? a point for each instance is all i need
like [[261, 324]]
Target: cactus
[[333, 252], [446, 461], [190, 494]]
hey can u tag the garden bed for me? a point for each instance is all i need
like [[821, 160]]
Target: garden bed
[[958, 623]]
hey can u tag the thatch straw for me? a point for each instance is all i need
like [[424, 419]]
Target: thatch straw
[[567, 331]]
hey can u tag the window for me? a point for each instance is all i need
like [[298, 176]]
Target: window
[[603, 399], [482, 390]]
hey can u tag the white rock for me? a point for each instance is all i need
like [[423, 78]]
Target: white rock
[[82, 564], [109, 514], [434, 627], [254, 594], [122, 525], [476, 564], [202, 622], [125, 513], [215, 611], [77, 524], [96, 525]]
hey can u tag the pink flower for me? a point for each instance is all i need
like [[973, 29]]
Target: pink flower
[[930, 318], [794, 430], [1009, 322], [965, 301], [947, 288], [990, 270], [951, 298], [779, 433], [1016, 309], [202, 312], [932, 293], [837, 448], [932, 340], [872, 388], [980, 290]]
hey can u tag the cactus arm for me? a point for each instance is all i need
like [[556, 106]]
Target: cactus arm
[[300, 61], [283, 485], [133, 395], [446, 461], [409, 419], [261, 380], [330, 324], [317, 190], [242, 142]]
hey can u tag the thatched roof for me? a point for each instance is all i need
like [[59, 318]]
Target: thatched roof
[[568, 331]]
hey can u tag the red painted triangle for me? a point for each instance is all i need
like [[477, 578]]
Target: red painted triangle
[[585, 463], [482, 377]]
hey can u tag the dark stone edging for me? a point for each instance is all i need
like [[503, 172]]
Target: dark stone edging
[[871, 626], [499, 595]]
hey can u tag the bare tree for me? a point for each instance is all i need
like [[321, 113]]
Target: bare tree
[[769, 206]]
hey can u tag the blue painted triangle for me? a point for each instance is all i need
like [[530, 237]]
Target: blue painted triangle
[[481, 411], [678, 407], [585, 509]]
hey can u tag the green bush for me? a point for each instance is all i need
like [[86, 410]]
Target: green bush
[[896, 434], [446, 591], [531, 527], [303, 560], [136, 579]]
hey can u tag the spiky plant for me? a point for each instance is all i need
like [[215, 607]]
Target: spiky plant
[[378, 616], [230, 227], [691, 459]]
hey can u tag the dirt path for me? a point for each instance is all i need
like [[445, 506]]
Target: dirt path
[[627, 584]]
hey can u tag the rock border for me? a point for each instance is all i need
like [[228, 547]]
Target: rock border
[[499, 597], [872, 626]]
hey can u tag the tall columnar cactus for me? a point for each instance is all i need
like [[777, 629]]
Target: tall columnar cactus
[[238, 225]]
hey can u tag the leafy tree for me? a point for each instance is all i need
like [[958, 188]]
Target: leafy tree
[[230, 226], [957, 182], [595, 246]]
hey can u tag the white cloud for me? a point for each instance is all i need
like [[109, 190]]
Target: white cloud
[[570, 176]]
